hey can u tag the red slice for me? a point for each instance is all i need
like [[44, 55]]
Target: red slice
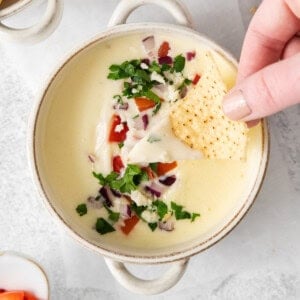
[[129, 224], [196, 79], [163, 49], [144, 103], [163, 168], [12, 295], [29, 296], [117, 136], [117, 164]]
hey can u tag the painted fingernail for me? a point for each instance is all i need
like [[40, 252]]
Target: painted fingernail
[[235, 106]]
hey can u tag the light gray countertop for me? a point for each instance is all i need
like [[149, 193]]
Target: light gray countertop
[[260, 259]]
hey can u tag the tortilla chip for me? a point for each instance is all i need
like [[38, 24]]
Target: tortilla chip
[[199, 121]]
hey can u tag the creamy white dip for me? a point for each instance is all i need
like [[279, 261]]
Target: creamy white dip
[[74, 125]]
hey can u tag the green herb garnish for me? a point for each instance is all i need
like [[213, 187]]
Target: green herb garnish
[[179, 63], [180, 214], [113, 216], [103, 227], [194, 216], [132, 177], [161, 208], [120, 145], [118, 98], [152, 226], [106, 180], [138, 209], [81, 209]]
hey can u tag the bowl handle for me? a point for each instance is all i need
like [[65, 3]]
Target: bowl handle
[[147, 287], [174, 7], [38, 31]]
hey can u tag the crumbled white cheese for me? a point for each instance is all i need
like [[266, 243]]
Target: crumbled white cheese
[[119, 128], [173, 93], [144, 66], [149, 216], [155, 76], [139, 198], [134, 91]]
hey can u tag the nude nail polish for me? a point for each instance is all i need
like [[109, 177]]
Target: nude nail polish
[[235, 106]]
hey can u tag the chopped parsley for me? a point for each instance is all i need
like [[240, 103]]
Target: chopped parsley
[[180, 214], [152, 226], [179, 63], [130, 181], [120, 145], [118, 98], [81, 209], [138, 209], [161, 208], [113, 216], [194, 216], [103, 227]]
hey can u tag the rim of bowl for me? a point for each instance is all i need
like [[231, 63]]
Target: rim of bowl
[[31, 260], [122, 30], [14, 8]]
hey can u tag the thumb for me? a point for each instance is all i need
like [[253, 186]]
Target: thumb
[[267, 91]]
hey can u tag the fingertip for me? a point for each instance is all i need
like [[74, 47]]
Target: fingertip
[[252, 123]]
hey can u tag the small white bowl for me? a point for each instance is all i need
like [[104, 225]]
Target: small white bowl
[[19, 272]]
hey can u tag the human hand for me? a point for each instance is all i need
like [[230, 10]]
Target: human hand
[[269, 71]]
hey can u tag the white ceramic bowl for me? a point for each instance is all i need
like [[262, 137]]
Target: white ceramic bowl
[[177, 256], [19, 272], [33, 33]]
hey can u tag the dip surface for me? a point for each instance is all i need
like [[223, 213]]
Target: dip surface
[[66, 135]]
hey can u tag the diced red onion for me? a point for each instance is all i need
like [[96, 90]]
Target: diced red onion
[[92, 158], [121, 106], [115, 193], [154, 189], [138, 123], [145, 121], [104, 193], [165, 60], [146, 61], [125, 211], [168, 181], [94, 202], [149, 44], [167, 226], [190, 55]]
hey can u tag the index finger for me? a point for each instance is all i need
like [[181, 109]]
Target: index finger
[[272, 26]]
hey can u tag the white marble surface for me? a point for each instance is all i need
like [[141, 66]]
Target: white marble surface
[[258, 260]]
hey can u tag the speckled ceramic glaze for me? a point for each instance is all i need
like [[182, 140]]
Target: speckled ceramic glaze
[[33, 33]]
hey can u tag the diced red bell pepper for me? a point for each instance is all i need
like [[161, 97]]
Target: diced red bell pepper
[[29, 296], [163, 168], [117, 164], [129, 224], [163, 49], [144, 103], [196, 79], [117, 136]]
